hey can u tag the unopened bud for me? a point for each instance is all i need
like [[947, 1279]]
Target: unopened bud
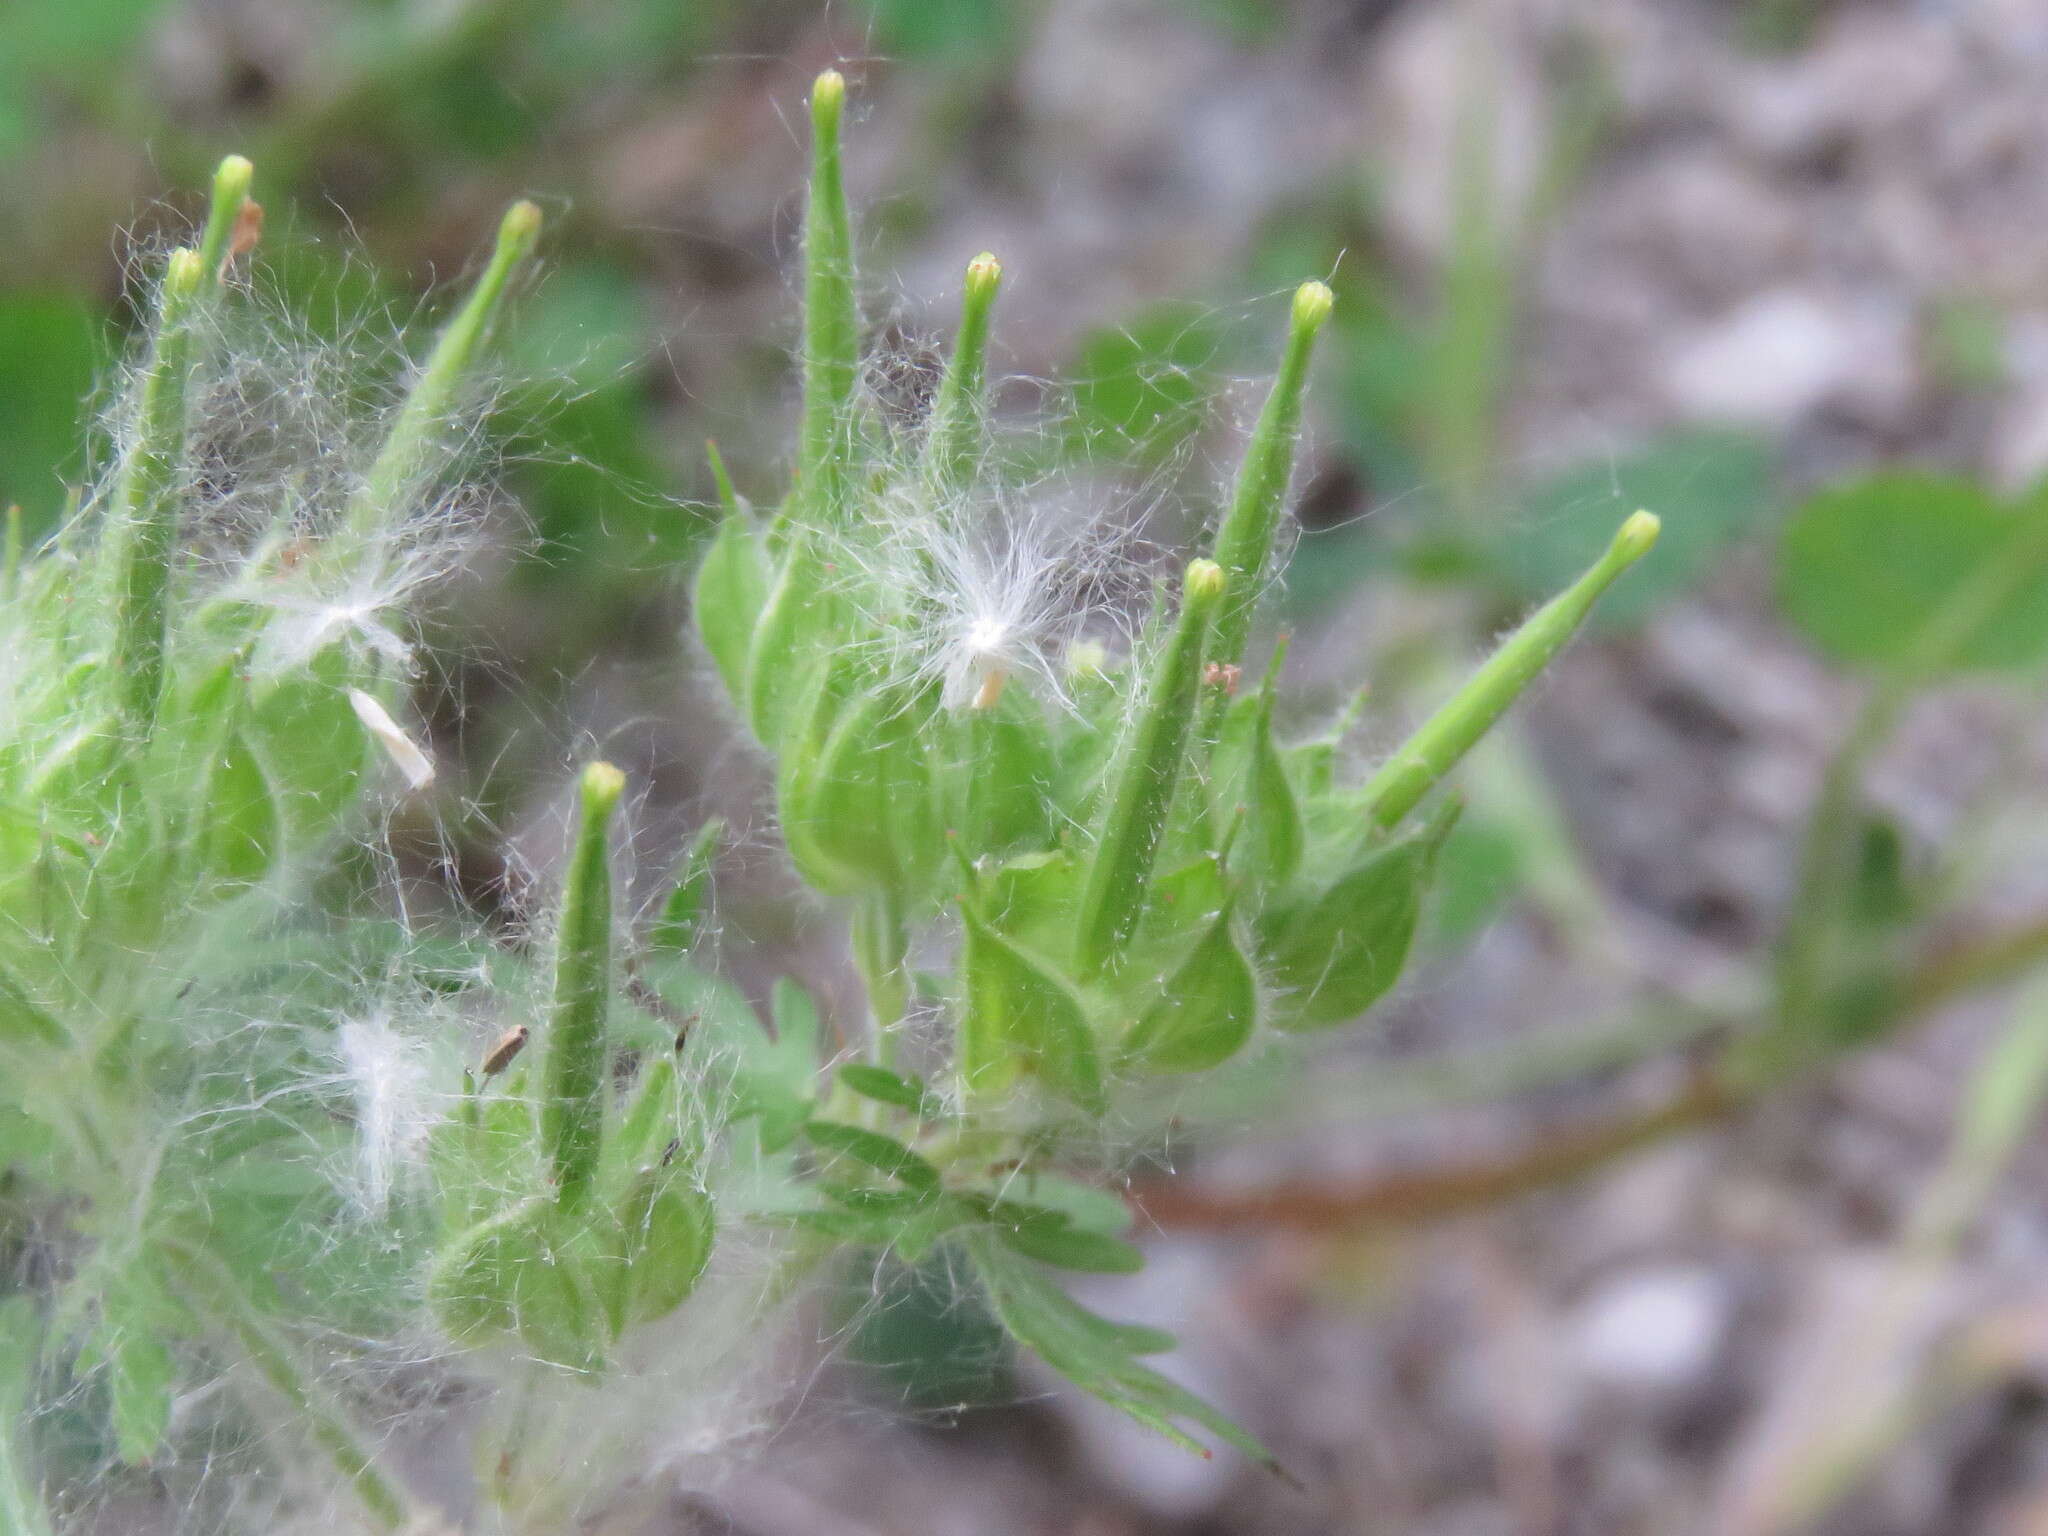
[[231, 180], [1635, 537], [984, 276], [182, 274], [828, 96], [602, 786], [1312, 305], [519, 229], [1204, 581]]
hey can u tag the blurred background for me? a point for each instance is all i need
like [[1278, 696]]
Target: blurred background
[[1515, 1260]]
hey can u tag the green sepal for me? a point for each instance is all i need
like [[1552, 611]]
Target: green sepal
[[885, 1154], [1205, 1012], [127, 1342], [514, 1277], [727, 600], [1021, 1015], [1337, 953], [666, 1231], [791, 643], [891, 1088], [865, 816]]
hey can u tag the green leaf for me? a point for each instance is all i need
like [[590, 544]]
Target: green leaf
[[1864, 568], [1205, 1012], [1020, 1014], [1096, 1355], [884, 1154], [1048, 1237], [730, 592], [140, 1372], [1336, 955], [886, 1087], [1709, 488]]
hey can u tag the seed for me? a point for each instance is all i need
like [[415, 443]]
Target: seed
[[509, 1045]]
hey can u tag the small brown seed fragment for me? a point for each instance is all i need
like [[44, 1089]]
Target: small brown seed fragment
[[509, 1045]]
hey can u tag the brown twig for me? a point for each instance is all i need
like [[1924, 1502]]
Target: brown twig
[[1410, 1198]]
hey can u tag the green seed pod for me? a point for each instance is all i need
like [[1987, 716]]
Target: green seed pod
[[1020, 1015], [956, 419], [831, 339], [231, 181], [408, 449], [1146, 777], [572, 1114], [1204, 1014], [1244, 541], [1452, 731], [730, 591], [143, 523]]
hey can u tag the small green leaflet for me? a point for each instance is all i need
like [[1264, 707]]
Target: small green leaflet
[[1096, 1355]]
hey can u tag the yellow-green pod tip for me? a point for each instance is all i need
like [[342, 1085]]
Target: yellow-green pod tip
[[519, 229], [1635, 537], [183, 273], [1312, 305], [231, 180], [1087, 658], [984, 275], [828, 96], [1204, 581], [602, 786]]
